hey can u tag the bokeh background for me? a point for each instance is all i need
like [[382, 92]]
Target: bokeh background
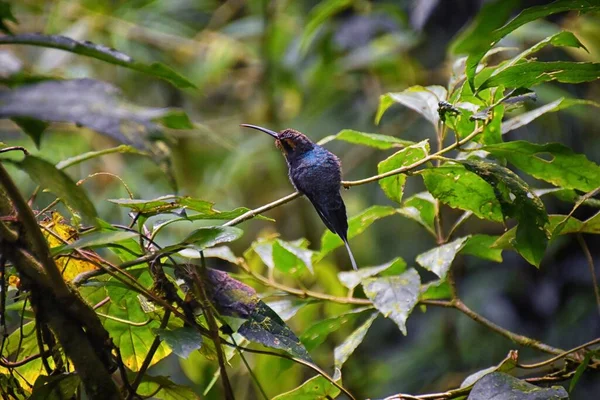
[[266, 63]]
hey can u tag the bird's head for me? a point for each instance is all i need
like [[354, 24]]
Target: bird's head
[[289, 141]]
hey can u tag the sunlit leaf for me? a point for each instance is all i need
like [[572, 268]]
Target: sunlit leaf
[[48, 177], [423, 100], [421, 207], [284, 256], [182, 341], [318, 332], [439, 259], [463, 189], [393, 186], [481, 246], [394, 296], [24, 343], [518, 201], [499, 385], [352, 279], [356, 225], [435, 290], [382, 142], [342, 352], [100, 52], [552, 162], [316, 388]]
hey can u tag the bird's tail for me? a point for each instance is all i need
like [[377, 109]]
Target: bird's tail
[[351, 255]]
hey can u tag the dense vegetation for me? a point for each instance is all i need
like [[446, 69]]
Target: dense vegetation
[[131, 268]]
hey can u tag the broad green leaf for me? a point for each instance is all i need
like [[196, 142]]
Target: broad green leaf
[[535, 72], [356, 225], [552, 162], [459, 188], [480, 245], [557, 105], [56, 387], [6, 15], [492, 130], [423, 100], [78, 159], [382, 142], [206, 237], [316, 388], [498, 385], [393, 186], [479, 46], [264, 326], [342, 352], [439, 259], [394, 296], [592, 225], [518, 201], [506, 365], [287, 308], [421, 207], [48, 177], [222, 252], [284, 256], [182, 341], [100, 52], [23, 342], [317, 333], [435, 290], [352, 279], [96, 239], [323, 11], [162, 388], [34, 128]]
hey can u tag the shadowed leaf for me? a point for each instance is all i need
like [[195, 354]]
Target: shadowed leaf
[[316, 388], [506, 365], [498, 385], [6, 15], [394, 296], [162, 388], [182, 341], [56, 387], [34, 128], [318, 332]]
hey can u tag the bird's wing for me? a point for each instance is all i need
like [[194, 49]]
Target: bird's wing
[[332, 211]]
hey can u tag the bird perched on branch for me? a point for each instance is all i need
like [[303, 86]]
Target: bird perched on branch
[[316, 173]]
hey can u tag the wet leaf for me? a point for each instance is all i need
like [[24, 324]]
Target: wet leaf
[[393, 186], [498, 385], [100, 52], [552, 162], [48, 177], [423, 100], [182, 341], [318, 332], [480, 245], [439, 259], [459, 188], [394, 296], [342, 352], [352, 279], [382, 142], [356, 225], [316, 388]]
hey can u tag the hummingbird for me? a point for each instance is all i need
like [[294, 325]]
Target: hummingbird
[[316, 173]]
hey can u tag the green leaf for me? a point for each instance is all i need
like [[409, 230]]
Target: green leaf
[[100, 52], [316, 388], [498, 385], [183, 341], [439, 259], [422, 208], [477, 47], [394, 296], [96, 239], [517, 201], [287, 308], [506, 365], [535, 72], [284, 256], [356, 225], [211, 236], [557, 105], [34, 128], [381, 142], [352, 279], [23, 342], [264, 326], [162, 388], [318, 332], [459, 188], [435, 290], [552, 162], [78, 159], [423, 100], [6, 15], [342, 352], [580, 370], [323, 11], [393, 186], [48, 177], [481, 246], [55, 387]]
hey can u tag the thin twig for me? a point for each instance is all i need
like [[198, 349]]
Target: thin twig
[[13, 148], [590, 262], [559, 356]]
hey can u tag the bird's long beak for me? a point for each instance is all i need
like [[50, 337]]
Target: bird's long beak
[[265, 130]]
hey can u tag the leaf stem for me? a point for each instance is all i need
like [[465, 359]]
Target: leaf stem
[[590, 262]]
